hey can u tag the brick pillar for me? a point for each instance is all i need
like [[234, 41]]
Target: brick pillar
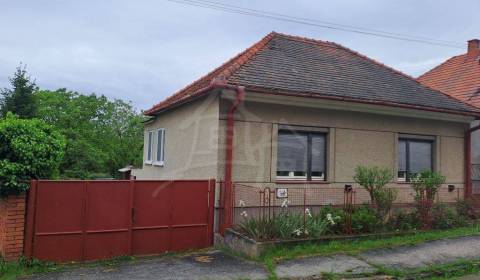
[[12, 226]]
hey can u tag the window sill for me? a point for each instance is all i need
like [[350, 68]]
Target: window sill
[[403, 182], [159, 163], [300, 182], [147, 162]]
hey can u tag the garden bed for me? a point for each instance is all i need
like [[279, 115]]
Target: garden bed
[[244, 245]]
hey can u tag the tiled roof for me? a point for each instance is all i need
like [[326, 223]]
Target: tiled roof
[[301, 66], [458, 77]]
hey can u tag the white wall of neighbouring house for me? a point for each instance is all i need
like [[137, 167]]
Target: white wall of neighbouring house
[[191, 142]]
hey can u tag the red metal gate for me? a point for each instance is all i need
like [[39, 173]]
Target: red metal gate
[[88, 220]]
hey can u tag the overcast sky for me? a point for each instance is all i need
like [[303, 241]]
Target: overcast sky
[[143, 51]]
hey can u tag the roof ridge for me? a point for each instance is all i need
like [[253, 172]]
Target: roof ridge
[[304, 39], [225, 70]]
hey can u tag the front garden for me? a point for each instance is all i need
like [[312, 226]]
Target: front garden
[[378, 217]]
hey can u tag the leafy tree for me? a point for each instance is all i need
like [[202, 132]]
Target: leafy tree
[[102, 135], [426, 185], [374, 180], [29, 149], [20, 99]]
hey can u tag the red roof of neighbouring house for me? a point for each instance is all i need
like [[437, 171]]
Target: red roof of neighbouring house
[[459, 76], [298, 66]]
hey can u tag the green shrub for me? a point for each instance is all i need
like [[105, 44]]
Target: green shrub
[[288, 225], [426, 185], [404, 220], [365, 220], [257, 228], [316, 226], [374, 180], [339, 218], [444, 217], [29, 149], [466, 208], [427, 182]]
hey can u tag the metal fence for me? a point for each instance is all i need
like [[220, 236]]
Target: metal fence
[[259, 202]]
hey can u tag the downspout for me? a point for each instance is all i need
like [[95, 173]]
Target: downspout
[[228, 184], [468, 160]]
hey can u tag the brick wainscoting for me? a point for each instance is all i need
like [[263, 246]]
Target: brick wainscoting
[[12, 226]]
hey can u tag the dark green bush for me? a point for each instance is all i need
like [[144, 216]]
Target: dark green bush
[[365, 220], [29, 149], [404, 220], [444, 217], [466, 208]]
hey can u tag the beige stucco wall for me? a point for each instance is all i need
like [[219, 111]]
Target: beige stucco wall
[[355, 138], [191, 142], [195, 145]]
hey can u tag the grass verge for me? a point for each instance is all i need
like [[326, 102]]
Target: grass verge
[[12, 270], [356, 246], [439, 271], [352, 247]]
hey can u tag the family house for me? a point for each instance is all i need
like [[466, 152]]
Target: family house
[[291, 113], [459, 77]]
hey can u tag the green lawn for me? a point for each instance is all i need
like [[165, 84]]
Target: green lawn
[[11, 270], [354, 247]]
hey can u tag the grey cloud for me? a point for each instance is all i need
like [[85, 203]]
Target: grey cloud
[[145, 50]]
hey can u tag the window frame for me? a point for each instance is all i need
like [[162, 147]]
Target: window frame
[[308, 177], [160, 162], [149, 147], [418, 139]]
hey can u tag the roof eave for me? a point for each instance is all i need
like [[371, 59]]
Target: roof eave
[[206, 90], [364, 101]]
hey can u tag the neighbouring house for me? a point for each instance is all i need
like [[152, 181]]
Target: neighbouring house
[[459, 77], [292, 113]]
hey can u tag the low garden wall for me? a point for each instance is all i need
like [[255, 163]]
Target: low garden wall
[[12, 226]]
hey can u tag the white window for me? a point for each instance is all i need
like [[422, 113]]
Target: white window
[[149, 147], [160, 155], [301, 155]]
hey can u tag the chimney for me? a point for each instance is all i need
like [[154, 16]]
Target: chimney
[[473, 48]]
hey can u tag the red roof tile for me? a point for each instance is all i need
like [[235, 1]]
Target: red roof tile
[[458, 77]]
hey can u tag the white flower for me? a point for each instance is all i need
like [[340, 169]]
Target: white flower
[[308, 213], [244, 214], [298, 232], [306, 231], [330, 219], [285, 203], [241, 203]]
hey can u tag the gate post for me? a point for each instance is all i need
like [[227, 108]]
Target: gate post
[[12, 226], [30, 221]]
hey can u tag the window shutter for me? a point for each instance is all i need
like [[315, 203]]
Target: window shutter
[[292, 151], [420, 156]]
